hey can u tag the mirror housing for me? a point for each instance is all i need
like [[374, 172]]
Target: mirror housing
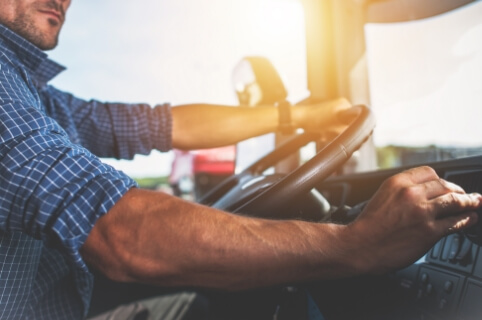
[[257, 82]]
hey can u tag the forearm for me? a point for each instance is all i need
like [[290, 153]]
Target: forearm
[[153, 238], [207, 126]]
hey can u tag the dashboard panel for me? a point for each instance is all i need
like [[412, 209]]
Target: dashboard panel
[[446, 284]]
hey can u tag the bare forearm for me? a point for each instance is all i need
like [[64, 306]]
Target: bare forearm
[[155, 238], [207, 126], [147, 240]]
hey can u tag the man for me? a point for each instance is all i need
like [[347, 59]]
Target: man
[[62, 208]]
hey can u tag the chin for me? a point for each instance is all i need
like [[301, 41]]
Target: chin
[[47, 34], [49, 46], [46, 43]]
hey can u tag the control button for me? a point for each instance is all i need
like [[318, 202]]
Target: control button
[[424, 278], [419, 294], [464, 251], [406, 283], [442, 304], [448, 286], [429, 289], [454, 246], [446, 248], [437, 249]]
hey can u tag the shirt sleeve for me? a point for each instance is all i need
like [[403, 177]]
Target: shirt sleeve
[[114, 130], [51, 189]]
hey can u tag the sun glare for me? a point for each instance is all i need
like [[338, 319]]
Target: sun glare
[[280, 19], [183, 50]]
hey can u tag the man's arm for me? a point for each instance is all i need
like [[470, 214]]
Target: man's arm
[[154, 238], [207, 126]]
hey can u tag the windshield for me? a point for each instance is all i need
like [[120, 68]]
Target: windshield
[[177, 51], [425, 80]]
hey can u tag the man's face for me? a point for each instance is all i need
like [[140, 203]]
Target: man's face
[[38, 21]]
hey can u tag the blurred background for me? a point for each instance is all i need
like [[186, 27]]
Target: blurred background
[[422, 78], [179, 52]]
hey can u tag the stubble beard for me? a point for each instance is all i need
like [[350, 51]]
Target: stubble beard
[[24, 26]]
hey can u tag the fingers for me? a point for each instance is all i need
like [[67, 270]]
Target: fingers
[[346, 116], [442, 200], [337, 104], [420, 174], [455, 211], [332, 132], [453, 203], [316, 117], [445, 197], [435, 188], [456, 223]]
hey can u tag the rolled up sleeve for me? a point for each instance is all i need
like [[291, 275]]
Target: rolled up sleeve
[[114, 130], [55, 191]]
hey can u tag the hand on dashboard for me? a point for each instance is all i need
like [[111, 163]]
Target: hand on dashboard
[[408, 214]]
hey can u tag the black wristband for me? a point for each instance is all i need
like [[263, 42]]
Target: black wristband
[[284, 117]]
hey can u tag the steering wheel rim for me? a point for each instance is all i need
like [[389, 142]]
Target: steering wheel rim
[[270, 202]]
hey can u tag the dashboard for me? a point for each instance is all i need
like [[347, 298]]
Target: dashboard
[[446, 284]]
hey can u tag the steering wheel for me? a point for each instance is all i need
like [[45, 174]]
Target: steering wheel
[[253, 193]]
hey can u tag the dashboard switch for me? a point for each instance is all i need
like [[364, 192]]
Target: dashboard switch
[[437, 249], [424, 278], [464, 250], [454, 246], [448, 286], [429, 289], [442, 304]]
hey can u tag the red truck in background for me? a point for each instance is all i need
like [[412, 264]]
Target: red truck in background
[[210, 167]]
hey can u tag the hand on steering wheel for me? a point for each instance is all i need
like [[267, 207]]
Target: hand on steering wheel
[[252, 193]]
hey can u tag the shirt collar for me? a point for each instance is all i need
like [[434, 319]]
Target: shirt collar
[[35, 60]]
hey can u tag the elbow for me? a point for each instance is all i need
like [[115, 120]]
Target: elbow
[[122, 265]]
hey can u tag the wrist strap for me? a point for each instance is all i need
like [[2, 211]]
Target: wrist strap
[[284, 117]]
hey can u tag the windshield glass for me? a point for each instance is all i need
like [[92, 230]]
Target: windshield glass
[[177, 51], [425, 80]]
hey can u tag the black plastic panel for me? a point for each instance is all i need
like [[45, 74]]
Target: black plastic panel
[[471, 303], [438, 291], [454, 251]]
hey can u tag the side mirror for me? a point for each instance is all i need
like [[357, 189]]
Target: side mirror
[[257, 82]]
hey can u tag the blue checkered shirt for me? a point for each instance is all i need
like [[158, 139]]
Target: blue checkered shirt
[[53, 187]]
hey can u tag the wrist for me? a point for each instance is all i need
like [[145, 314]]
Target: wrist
[[285, 122], [368, 256], [356, 251], [339, 254], [298, 116]]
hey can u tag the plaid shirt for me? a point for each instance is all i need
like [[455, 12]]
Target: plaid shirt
[[53, 187]]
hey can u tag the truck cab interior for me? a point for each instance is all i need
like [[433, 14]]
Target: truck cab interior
[[414, 68], [417, 37]]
